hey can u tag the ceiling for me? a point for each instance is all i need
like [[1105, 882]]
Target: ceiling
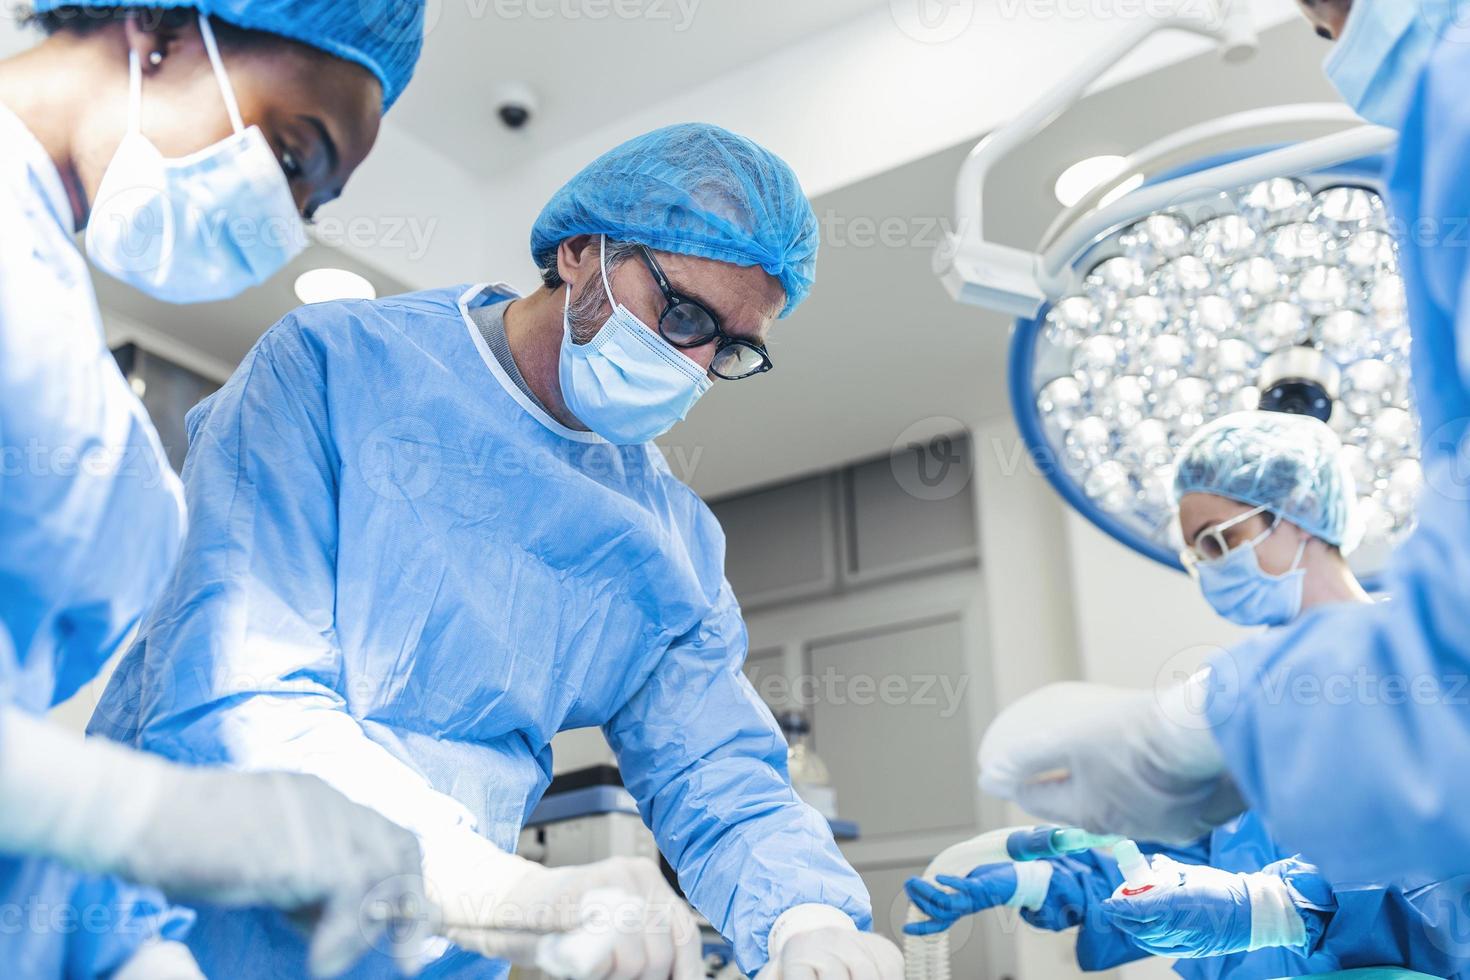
[[879, 347], [586, 61]]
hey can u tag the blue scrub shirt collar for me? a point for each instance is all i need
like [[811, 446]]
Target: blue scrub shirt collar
[[490, 292]]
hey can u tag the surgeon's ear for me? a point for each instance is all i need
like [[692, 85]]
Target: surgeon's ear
[[155, 34], [576, 257]]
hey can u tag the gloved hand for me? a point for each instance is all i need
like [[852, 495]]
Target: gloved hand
[[1196, 911], [613, 920], [819, 942], [1048, 894], [1112, 760], [279, 839]]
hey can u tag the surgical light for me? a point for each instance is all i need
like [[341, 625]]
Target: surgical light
[[1195, 282], [1245, 301], [1082, 177]]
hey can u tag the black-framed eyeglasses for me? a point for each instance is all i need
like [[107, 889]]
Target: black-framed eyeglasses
[[688, 323]]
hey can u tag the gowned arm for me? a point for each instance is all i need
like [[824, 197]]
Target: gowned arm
[[705, 760]]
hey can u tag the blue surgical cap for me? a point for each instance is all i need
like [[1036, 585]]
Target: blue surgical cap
[[693, 189], [1290, 464], [384, 36]]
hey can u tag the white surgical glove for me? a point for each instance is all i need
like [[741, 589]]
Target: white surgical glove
[[230, 838], [613, 920], [819, 942], [1112, 760]]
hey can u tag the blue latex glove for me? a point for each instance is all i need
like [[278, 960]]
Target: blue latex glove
[[1196, 911], [1049, 894]]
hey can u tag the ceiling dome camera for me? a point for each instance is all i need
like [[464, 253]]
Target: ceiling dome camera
[[515, 105]]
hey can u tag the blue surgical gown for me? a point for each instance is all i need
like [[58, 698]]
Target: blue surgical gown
[[403, 576], [90, 522], [1349, 730], [1355, 926]]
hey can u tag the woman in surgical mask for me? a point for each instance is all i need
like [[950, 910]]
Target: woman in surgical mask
[[187, 146], [1266, 511], [1266, 504]]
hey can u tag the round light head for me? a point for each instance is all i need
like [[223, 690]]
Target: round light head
[[1283, 296]]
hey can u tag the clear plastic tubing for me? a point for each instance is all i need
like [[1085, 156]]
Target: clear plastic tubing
[[927, 957]]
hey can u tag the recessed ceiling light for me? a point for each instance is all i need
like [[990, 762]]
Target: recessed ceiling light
[[322, 285], [1082, 177]]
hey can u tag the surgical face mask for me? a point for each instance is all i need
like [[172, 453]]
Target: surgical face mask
[[1241, 591], [202, 227], [627, 383], [1377, 62]]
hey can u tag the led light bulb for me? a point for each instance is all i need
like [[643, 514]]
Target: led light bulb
[[1345, 210], [1089, 442], [1367, 386], [1346, 336], [1094, 360], [1278, 326], [1140, 317], [1275, 202], [1061, 402], [1323, 289], [1115, 280], [1108, 484], [1145, 447], [1225, 240], [1369, 253], [1254, 283], [1297, 246], [1162, 360], [1123, 402], [1072, 320], [1156, 239], [1181, 281]]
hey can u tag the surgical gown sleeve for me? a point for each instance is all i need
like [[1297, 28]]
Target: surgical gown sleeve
[[1421, 929], [705, 760], [241, 660], [1357, 718]]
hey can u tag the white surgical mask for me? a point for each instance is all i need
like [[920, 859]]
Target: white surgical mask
[[202, 227], [627, 384]]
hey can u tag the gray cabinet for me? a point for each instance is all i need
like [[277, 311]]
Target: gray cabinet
[[891, 721], [908, 514], [780, 541], [911, 512]]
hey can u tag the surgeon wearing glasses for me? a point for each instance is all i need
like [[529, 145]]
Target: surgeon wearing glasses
[[431, 531], [1268, 506], [1330, 775]]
